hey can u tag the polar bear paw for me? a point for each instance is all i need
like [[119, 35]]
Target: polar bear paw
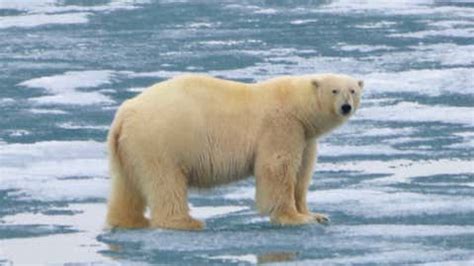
[[178, 223], [292, 219], [321, 218]]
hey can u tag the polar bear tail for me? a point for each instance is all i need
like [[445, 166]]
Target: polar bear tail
[[115, 162], [125, 204], [113, 142]]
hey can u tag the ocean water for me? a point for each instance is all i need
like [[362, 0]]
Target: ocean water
[[397, 181]]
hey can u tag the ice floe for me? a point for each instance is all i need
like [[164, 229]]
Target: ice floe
[[71, 125], [53, 12], [75, 247], [432, 82], [55, 170], [416, 112], [371, 203], [65, 88], [34, 20], [47, 111]]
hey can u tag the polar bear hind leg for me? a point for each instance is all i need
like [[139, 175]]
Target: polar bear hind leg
[[166, 195], [126, 205]]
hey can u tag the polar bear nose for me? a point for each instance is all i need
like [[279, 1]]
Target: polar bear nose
[[346, 109]]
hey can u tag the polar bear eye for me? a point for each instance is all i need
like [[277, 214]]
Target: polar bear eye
[[335, 91], [353, 91]]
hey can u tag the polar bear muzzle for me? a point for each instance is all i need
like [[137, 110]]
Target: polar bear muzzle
[[346, 109]]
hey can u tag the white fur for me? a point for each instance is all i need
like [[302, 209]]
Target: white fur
[[200, 131]]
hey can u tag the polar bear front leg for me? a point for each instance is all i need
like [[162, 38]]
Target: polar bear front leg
[[303, 181], [304, 175], [277, 163]]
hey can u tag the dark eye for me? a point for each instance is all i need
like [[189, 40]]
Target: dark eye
[[353, 91], [335, 91]]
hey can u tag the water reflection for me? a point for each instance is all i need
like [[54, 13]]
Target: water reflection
[[279, 256]]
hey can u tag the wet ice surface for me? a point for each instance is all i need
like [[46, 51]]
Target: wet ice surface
[[397, 181]]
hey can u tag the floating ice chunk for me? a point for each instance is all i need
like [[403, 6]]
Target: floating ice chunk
[[402, 230], [160, 74], [44, 12], [35, 20], [76, 98], [467, 142], [373, 203], [66, 180], [396, 6], [279, 62], [303, 21], [266, 11], [384, 131], [65, 87], [465, 134], [18, 154], [18, 132], [198, 25], [110, 6], [71, 125], [414, 112], [55, 170], [47, 111], [80, 247], [70, 81], [450, 23], [230, 42], [365, 48], [30, 6], [344, 150], [407, 254], [402, 140], [459, 32], [431, 82], [6, 101], [376, 25], [448, 54], [284, 62], [136, 89], [401, 171], [249, 258], [400, 7]]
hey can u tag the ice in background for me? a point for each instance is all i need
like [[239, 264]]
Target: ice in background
[[397, 181]]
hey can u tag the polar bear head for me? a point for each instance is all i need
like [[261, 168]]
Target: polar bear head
[[337, 95]]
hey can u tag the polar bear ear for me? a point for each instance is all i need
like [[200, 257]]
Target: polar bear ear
[[361, 84], [315, 83]]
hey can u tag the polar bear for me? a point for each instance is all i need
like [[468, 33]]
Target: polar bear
[[199, 131]]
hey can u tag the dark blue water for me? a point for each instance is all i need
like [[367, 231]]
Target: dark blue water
[[397, 181]]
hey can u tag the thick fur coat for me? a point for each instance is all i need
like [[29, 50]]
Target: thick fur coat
[[199, 131]]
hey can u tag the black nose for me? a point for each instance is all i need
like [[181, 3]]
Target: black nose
[[346, 108]]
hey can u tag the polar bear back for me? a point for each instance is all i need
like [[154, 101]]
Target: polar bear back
[[207, 125]]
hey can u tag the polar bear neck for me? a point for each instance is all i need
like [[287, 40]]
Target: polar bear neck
[[298, 101], [321, 124], [315, 120]]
